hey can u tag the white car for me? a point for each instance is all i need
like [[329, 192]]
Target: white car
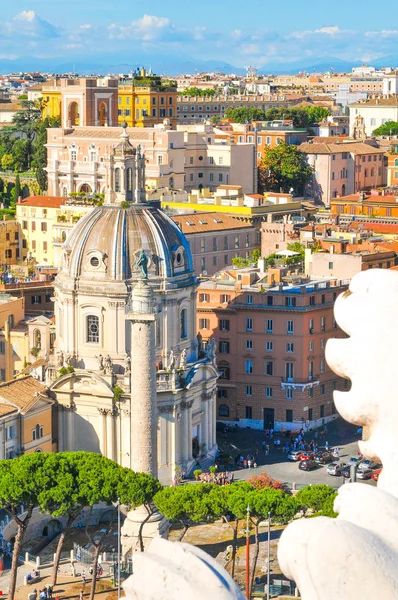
[[294, 455], [368, 464]]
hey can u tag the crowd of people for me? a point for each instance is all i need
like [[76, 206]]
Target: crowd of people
[[222, 478]]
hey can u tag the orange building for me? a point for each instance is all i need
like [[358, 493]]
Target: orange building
[[27, 416], [373, 204], [271, 331], [392, 165]]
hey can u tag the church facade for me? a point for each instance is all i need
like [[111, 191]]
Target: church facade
[[128, 374]]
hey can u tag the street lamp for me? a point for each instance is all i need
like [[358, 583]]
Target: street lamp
[[247, 532], [268, 553]]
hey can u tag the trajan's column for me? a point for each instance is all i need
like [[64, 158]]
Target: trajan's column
[[141, 313]]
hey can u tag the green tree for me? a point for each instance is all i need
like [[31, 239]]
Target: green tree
[[17, 189], [314, 496], [389, 128], [243, 114], [7, 162], [283, 168], [39, 160], [263, 503], [21, 481], [316, 114], [26, 119], [187, 504], [199, 92]]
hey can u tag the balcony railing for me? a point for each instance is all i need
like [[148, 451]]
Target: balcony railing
[[168, 381], [298, 382]]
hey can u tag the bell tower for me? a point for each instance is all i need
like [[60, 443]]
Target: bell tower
[[125, 172]]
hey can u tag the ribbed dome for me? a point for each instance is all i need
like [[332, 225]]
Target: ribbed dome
[[104, 245]]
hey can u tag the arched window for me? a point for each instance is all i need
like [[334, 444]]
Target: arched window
[[396, 162], [37, 339], [184, 324], [92, 329], [129, 179], [37, 432], [86, 189], [117, 180], [223, 410], [64, 192]]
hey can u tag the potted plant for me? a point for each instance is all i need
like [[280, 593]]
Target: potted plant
[[197, 473], [213, 469]]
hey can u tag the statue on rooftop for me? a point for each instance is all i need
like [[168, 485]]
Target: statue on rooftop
[[356, 554], [142, 264]]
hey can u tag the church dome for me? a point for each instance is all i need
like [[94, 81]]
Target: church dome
[[105, 245]]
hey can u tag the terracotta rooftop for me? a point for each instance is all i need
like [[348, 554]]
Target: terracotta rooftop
[[336, 148], [207, 222], [368, 198], [43, 201], [22, 393], [112, 133], [378, 102]]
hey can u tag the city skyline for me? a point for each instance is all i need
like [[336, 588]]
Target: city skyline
[[125, 34]]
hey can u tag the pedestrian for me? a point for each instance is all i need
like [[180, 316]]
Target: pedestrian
[[91, 570], [267, 449], [327, 446], [81, 595], [249, 464], [263, 445], [49, 591], [271, 433]]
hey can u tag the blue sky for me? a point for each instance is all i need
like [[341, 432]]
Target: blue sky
[[254, 32]]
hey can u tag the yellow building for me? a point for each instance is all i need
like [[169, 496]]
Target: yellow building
[[45, 223], [142, 101], [22, 339], [12, 245], [146, 100]]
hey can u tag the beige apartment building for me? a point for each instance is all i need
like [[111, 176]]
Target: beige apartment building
[[215, 239], [208, 164], [271, 331], [346, 265], [343, 168]]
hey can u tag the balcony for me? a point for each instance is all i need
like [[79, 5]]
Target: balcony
[[69, 166], [168, 381], [299, 383]]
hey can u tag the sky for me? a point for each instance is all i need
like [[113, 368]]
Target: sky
[[242, 33]]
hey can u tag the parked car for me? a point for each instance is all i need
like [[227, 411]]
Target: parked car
[[322, 458], [369, 464], [375, 474], [346, 471], [294, 455], [307, 455], [307, 465], [364, 473], [222, 427], [335, 468], [355, 460]]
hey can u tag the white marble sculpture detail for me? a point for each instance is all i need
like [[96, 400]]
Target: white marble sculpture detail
[[173, 570], [356, 555]]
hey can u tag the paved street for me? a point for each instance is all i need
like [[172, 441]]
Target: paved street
[[247, 441]]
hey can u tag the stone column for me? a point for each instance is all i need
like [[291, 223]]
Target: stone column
[[144, 420], [110, 435], [204, 431], [70, 419]]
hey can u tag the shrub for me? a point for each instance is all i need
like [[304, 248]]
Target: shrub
[[263, 480], [315, 497]]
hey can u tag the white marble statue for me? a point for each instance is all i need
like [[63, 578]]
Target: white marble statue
[[183, 359], [173, 570], [356, 555], [108, 365], [67, 359], [100, 360], [172, 361], [127, 362], [211, 349], [60, 359]]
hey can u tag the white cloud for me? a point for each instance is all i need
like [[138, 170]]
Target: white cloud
[[329, 30], [147, 29], [29, 23], [85, 26]]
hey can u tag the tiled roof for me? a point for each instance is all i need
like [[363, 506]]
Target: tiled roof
[[43, 201], [368, 198], [378, 102], [112, 133], [22, 393], [387, 228], [207, 222], [336, 148]]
